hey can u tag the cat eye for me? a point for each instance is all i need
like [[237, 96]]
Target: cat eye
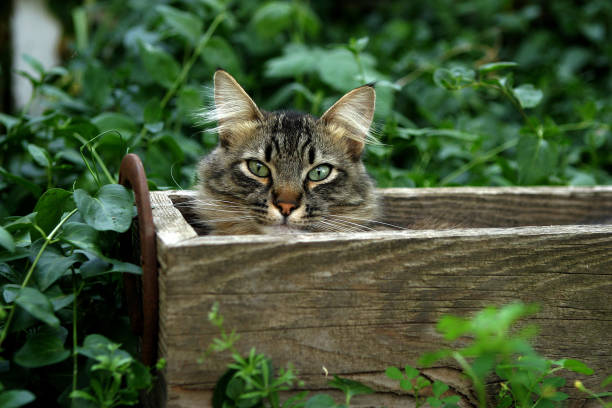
[[258, 168], [319, 173]]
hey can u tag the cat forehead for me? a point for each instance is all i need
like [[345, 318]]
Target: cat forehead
[[290, 133]]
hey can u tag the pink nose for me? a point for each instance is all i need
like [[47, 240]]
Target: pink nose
[[286, 208]]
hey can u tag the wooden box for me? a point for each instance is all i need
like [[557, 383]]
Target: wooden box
[[357, 303]]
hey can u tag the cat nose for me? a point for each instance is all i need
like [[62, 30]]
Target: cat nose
[[286, 201], [286, 208]]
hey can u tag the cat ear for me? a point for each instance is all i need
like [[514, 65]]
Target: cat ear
[[234, 109], [353, 113]]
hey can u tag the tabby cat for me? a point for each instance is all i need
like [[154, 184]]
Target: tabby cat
[[285, 172]]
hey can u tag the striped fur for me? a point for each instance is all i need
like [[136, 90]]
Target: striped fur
[[233, 200]]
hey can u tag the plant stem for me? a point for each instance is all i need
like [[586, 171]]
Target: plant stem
[[75, 366], [196, 53], [482, 158], [480, 389], [48, 240]]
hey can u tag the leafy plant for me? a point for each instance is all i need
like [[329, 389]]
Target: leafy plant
[[134, 82], [528, 379]]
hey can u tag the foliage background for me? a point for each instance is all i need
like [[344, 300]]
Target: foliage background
[[135, 71]]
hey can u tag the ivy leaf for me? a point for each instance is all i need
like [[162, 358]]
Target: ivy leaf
[[6, 240], [184, 24], [109, 121], [38, 305], [15, 398], [160, 65], [43, 348], [52, 265], [527, 95], [297, 59], [81, 235], [51, 206], [536, 159], [110, 209], [271, 18]]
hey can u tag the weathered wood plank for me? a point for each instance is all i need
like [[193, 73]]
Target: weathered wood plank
[[477, 207], [360, 302]]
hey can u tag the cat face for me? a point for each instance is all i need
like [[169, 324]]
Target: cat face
[[284, 172]]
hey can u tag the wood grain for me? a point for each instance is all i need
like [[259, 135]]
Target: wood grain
[[358, 303]]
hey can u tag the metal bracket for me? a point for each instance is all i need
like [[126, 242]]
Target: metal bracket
[[143, 315]]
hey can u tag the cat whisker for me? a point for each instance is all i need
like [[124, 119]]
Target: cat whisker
[[367, 220], [228, 211], [325, 226], [208, 199], [343, 221], [342, 227], [204, 222]]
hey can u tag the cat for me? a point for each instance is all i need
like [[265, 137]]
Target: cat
[[286, 172]]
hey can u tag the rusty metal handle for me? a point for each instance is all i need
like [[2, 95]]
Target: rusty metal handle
[[143, 317]]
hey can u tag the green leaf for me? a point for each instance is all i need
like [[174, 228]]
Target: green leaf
[[575, 366], [152, 112], [43, 348], [496, 66], [185, 24], [220, 53], [607, 381], [454, 78], [272, 18], [536, 159], [40, 155], [434, 402], [160, 65], [350, 387], [411, 372], [110, 209], [297, 59], [452, 327], [34, 63], [358, 45], [320, 401], [15, 398], [235, 388], [52, 265], [439, 388], [527, 95], [38, 305], [81, 235], [51, 206], [10, 292], [338, 69], [6, 240], [8, 121], [109, 121], [27, 184], [406, 384], [394, 373]]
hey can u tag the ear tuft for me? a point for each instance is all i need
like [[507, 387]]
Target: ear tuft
[[233, 105], [354, 112]]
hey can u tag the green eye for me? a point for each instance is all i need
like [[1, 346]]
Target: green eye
[[319, 173], [258, 168]]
